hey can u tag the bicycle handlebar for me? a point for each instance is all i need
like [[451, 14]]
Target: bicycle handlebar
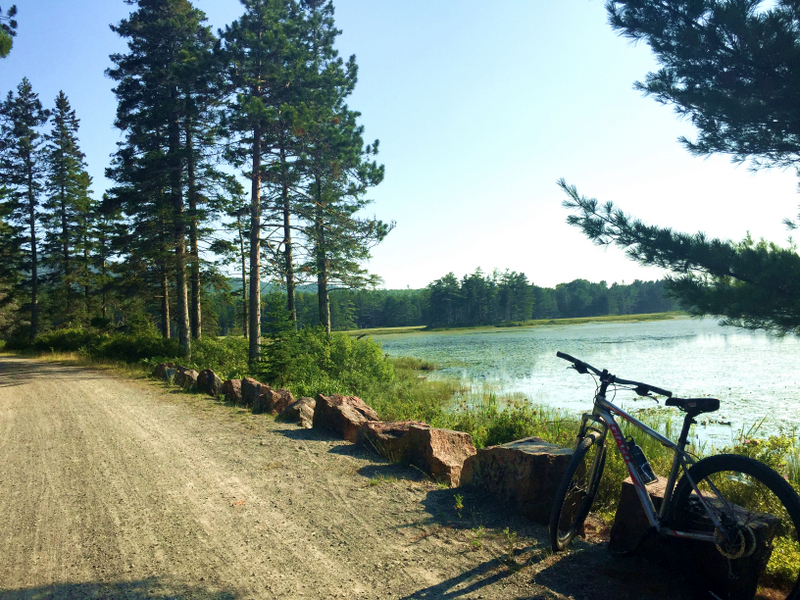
[[643, 389]]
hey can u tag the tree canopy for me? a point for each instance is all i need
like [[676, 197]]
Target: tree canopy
[[8, 26], [732, 69]]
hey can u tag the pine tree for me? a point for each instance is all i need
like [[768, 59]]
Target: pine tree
[[7, 30], [154, 88], [335, 165], [67, 209], [261, 51], [733, 69], [22, 168]]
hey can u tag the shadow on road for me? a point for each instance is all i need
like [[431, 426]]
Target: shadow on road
[[150, 589], [17, 371]]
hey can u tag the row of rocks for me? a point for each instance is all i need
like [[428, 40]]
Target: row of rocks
[[441, 453], [523, 474]]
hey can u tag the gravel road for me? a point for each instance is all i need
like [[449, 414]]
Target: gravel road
[[119, 488]]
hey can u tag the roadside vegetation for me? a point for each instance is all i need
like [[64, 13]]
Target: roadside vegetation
[[310, 361]]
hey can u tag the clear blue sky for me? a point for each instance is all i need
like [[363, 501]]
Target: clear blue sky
[[480, 107]]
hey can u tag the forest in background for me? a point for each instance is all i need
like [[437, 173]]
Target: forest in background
[[477, 299]]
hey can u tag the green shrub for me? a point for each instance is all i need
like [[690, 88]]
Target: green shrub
[[67, 340], [227, 356], [311, 361], [133, 347]]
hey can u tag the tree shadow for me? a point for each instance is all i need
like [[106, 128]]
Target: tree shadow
[[15, 371], [143, 589]]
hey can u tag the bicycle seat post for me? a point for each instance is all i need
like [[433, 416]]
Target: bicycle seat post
[[688, 421]]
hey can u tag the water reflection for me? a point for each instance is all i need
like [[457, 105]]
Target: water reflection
[[754, 375]]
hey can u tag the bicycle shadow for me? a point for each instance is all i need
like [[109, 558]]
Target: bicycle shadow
[[588, 571]]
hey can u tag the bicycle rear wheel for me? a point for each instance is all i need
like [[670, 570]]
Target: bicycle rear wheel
[[577, 490], [757, 554]]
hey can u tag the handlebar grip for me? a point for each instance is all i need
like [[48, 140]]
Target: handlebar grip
[[578, 365], [659, 391], [566, 356]]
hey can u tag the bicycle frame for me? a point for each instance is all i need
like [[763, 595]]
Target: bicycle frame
[[603, 413]]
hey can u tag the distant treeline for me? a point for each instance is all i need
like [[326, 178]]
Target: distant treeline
[[476, 299]]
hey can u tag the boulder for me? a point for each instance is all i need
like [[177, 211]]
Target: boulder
[[342, 415], [250, 388], [160, 370], [178, 378], [169, 374], [630, 522], [209, 382], [524, 474], [187, 379], [232, 390], [272, 401], [734, 579], [387, 438], [439, 452], [300, 411]]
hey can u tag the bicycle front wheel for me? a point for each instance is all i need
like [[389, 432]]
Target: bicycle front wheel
[[577, 490], [756, 554]]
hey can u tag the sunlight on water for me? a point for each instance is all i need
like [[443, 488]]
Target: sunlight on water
[[754, 375]]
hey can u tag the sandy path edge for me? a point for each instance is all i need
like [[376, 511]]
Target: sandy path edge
[[117, 488]]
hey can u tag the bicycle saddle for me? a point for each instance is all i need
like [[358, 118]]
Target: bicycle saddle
[[695, 406]]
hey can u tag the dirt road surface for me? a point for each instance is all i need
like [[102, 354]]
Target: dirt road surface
[[121, 488]]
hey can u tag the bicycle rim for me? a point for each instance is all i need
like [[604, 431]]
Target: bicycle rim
[[757, 554], [577, 491]]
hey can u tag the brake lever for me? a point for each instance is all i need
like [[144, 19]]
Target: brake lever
[[644, 392], [580, 369]]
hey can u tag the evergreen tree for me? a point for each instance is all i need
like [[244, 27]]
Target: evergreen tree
[[154, 87], [22, 168], [337, 168], [8, 25], [733, 69], [201, 89], [261, 52], [67, 207]]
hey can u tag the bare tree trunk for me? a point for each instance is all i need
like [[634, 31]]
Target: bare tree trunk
[[255, 249], [165, 318], [34, 259], [195, 313], [179, 237], [323, 301], [244, 275], [288, 259]]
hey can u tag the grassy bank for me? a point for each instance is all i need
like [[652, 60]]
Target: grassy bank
[[523, 324]]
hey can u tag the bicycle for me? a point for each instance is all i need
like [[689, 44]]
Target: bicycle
[[746, 510]]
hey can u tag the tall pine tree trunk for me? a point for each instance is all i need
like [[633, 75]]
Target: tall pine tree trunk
[[65, 252], [195, 313], [323, 302], [163, 272], [255, 249], [34, 260], [244, 277], [288, 259], [179, 236]]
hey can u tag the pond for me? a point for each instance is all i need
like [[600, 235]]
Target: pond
[[755, 376]]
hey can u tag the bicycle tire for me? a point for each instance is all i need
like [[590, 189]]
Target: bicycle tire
[[577, 490], [757, 556]]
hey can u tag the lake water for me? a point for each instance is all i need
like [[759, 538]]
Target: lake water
[[755, 376]]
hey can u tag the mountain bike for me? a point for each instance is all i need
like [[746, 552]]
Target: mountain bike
[[737, 519]]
